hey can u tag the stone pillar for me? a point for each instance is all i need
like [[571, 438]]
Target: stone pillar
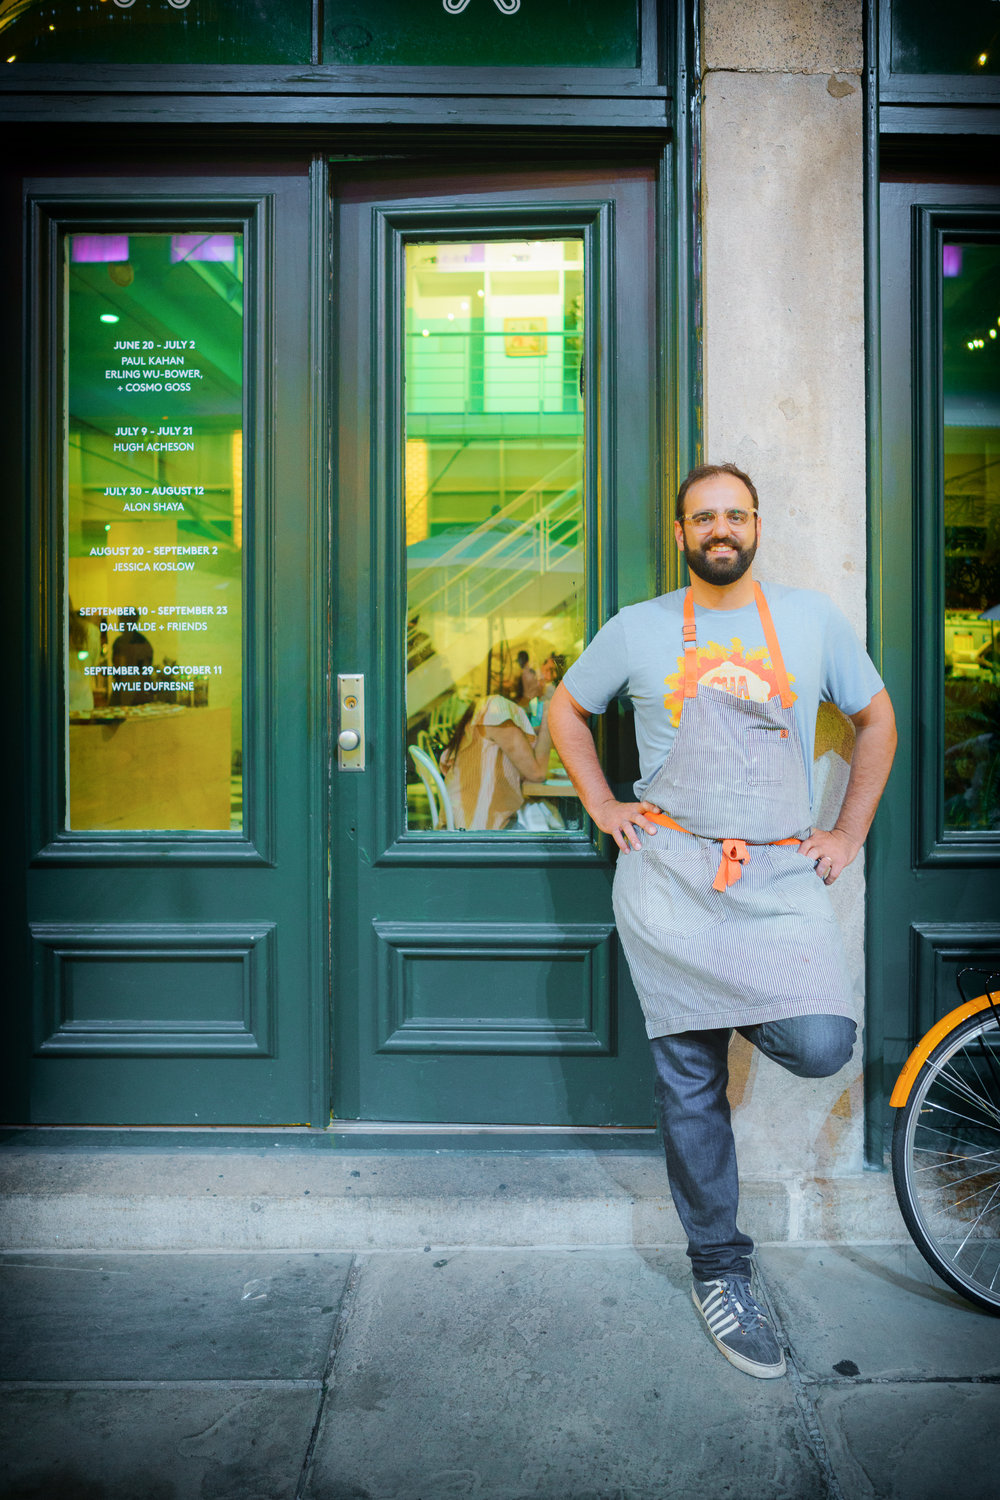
[[784, 398]]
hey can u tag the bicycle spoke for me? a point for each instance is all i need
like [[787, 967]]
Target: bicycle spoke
[[948, 1083], [939, 1130], [995, 1194], [947, 1190], [949, 1080], [957, 1153], [956, 1204]]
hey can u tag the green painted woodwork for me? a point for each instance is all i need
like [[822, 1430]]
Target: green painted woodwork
[[477, 977], [161, 990], [933, 889], [538, 33]]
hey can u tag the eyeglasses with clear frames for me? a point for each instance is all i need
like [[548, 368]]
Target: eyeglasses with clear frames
[[703, 519]]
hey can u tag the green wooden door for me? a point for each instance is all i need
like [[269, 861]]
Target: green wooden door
[[934, 863], [175, 905], [496, 489]]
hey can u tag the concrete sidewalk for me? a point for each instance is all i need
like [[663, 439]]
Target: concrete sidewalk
[[486, 1374]]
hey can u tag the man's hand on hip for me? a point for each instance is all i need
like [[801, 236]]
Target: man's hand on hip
[[830, 851], [621, 819]]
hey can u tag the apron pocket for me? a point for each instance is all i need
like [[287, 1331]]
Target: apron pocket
[[767, 755], [799, 887], [674, 895]]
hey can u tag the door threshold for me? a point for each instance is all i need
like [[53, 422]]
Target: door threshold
[[412, 1127], [407, 1135], [362, 1137]]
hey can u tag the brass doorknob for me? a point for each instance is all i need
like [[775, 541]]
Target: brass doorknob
[[348, 739]]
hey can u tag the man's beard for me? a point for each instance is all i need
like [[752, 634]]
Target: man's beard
[[711, 569]]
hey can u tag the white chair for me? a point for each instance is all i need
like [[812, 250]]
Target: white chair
[[437, 792]]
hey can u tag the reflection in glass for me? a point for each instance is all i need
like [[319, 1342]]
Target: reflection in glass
[[155, 31], [154, 510], [971, 343], [493, 501], [928, 37]]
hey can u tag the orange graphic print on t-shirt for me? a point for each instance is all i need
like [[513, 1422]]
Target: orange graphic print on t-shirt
[[746, 674]]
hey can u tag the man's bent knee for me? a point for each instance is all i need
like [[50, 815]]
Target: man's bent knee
[[811, 1046], [822, 1057]]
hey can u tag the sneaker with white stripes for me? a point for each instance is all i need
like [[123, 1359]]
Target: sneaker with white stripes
[[739, 1325]]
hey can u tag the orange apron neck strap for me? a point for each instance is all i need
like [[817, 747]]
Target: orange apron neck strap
[[777, 660], [690, 648]]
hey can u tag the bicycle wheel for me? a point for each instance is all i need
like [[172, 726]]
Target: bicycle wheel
[[946, 1160]]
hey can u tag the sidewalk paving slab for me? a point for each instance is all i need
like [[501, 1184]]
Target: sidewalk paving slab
[[881, 1309], [167, 1443], [534, 1375], [912, 1441], [168, 1317]]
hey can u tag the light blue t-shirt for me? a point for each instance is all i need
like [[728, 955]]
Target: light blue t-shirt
[[639, 655]]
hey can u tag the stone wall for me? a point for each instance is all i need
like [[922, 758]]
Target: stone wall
[[785, 399]]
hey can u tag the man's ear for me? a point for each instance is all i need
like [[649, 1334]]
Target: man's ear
[[679, 535]]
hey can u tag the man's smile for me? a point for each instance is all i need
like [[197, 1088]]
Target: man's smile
[[721, 561]]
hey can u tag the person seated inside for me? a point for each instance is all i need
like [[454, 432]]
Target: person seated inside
[[553, 670], [492, 750], [132, 649], [526, 690]]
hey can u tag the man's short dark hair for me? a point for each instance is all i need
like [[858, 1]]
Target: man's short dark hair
[[709, 471]]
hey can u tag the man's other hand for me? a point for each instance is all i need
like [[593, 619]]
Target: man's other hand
[[831, 852], [621, 819]]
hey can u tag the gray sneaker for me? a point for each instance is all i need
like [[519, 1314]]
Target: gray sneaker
[[739, 1325]]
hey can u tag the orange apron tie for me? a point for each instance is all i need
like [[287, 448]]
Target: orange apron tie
[[734, 856], [735, 852]]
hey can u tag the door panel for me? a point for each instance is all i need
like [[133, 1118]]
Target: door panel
[[174, 931], [934, 866], [497, 499]]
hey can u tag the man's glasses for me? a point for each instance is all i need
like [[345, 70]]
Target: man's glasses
[[703, 519]]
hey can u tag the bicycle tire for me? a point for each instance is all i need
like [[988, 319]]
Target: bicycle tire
[[946, 1160]]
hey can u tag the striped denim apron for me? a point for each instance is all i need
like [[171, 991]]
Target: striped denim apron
[[722, 924]]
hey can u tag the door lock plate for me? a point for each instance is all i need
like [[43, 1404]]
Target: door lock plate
[[351, 726]]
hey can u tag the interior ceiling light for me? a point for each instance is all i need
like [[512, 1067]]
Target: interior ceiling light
[[984, 58], [109, 317]]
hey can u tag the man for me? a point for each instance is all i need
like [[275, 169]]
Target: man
[[721, 890]]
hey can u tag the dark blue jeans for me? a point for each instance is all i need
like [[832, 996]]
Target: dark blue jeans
[[692, 1071]]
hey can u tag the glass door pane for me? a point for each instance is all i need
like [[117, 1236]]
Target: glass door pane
[[494, 518], [153, 414], [971, 392]]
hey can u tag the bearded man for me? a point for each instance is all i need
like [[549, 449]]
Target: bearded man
[[721, 890]]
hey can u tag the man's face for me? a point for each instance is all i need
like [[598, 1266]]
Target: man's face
[[720, 531]]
